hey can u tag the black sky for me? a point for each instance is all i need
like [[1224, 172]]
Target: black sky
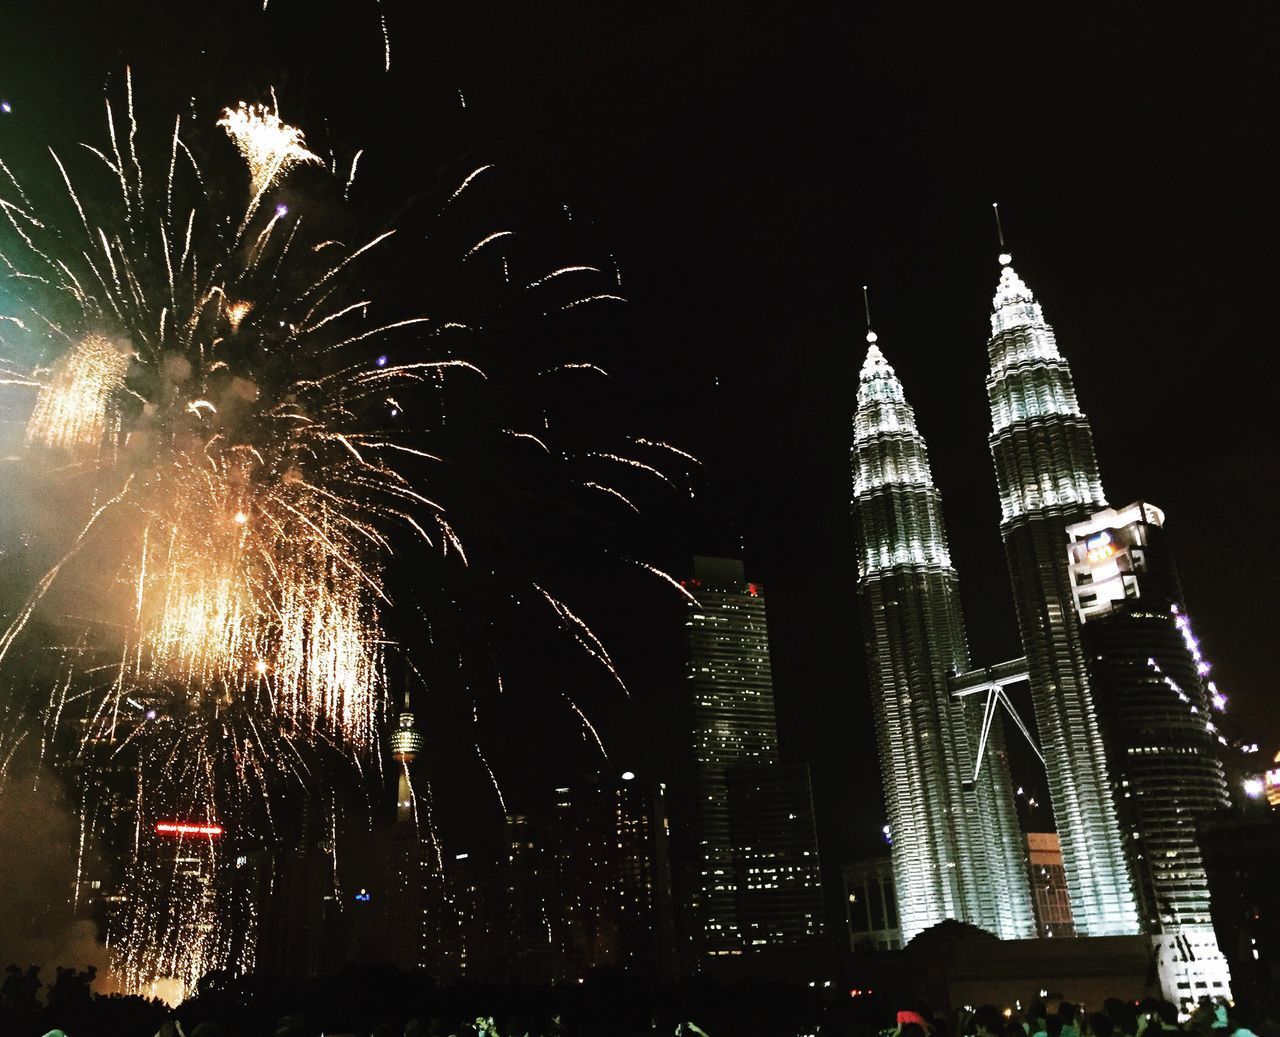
[[750, 166]]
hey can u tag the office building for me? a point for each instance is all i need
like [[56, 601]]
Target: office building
[[1048, 478], [1156, 704], [613, 905], [1271, 782], [957, 848], [753, 883], [775, 837], [1241, 851]]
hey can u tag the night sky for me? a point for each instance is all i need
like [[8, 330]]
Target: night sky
[[749, 167]]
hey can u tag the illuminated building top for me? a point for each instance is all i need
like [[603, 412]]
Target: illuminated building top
[[1030, 388], [1271, 783], [888, 451], [182, 828], [406, 739], [1105, 555]]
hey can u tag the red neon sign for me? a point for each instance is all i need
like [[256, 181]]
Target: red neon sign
[[186, 828]]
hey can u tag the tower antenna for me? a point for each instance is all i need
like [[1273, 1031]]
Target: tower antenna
[[1005, 258], [866, 301]]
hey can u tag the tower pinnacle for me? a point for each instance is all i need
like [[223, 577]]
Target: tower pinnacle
[[866, 301], [1004, 258]]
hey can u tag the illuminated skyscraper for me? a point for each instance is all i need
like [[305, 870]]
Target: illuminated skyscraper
[[1156, 703], [756, 884], [1048, 478], [957, 848]]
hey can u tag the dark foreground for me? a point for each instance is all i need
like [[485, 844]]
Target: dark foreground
[[382, 1002]]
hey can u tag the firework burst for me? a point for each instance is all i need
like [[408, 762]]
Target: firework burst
[[75, 409], [270, 147], [225, 440], [210, 391]]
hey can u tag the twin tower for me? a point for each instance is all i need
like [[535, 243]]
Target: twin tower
[[957, 847]]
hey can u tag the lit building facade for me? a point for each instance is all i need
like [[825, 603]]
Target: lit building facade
[[1049, 885], [612, 909], [957, 847], [1156, 704], [755, 882], [1048, 478]]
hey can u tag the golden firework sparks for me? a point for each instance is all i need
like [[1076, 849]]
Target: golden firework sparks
[[236, 533], [77, 409], [269, 146], [237, 312], [218, 592]]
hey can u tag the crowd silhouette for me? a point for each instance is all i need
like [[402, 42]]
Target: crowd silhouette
[[384, 1002]]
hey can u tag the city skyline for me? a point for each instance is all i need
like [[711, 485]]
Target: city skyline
[[724, 187], [802, 324], [1124, 704]]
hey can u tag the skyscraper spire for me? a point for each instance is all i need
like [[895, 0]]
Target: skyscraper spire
[[1005, 258], [956, 847], [866, 301], [1047, 476]]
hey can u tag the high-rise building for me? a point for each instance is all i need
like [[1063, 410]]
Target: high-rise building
[[1047, 476], [1156, 704], [776, 839], [1270, 779], [755, 854], [1049, 885], [957, 848], [303, 929], [477, 885], [530, 880], [612, 904]]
